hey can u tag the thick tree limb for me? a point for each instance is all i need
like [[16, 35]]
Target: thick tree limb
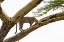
[[3, 13], [6, 20], [32, 28], [52, 16], [6, 25], [21, 12], [4, 30], [5, 16], [25, 10]]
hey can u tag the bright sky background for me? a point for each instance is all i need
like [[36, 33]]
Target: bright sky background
[[53, 32]]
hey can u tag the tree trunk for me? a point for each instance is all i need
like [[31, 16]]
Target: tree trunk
[[8, 22]]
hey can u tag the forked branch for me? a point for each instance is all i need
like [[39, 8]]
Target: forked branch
[[6, 19]]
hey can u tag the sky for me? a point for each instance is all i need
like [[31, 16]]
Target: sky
[[53, 32]]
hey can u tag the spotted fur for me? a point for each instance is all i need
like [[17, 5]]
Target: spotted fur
[[29, 20]]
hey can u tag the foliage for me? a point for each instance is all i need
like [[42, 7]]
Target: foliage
[[52, 5]]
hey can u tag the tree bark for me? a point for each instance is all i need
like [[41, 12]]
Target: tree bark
[[48, 20], [25, 10], [4, 30], [8, 22]]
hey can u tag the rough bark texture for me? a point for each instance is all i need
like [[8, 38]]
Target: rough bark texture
[[52, 16], [34, 27], [25, 10], [8, 22], [4, 30]]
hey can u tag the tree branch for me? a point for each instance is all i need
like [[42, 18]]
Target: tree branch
[[52, 16], [3, 14], [5, 29], [21, 12], [25, 10], [8, 24], [20, 35], [1, 1]]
